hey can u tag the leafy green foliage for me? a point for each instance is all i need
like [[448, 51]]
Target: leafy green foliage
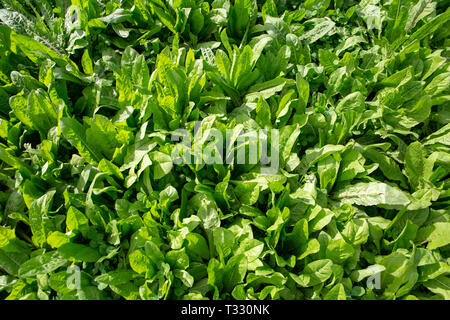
[[92, 205]]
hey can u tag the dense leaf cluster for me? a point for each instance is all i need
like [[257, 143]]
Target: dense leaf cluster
[[93, 207]]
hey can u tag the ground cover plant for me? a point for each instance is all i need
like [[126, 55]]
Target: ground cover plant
[[351, 99]]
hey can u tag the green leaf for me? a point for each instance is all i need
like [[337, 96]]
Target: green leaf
[[234, 271], [41, 111], [40, 222], [336, 293], [356, 231], [359, 275], [373, 194], [76, 220], [388, 166], [140, 263], [74, 132], [314, 273], [197, 246], [162, 164], [263, 115], [56, 239], [440, 286], [110, 168], [86, 62], [339, 251], [42, 264], [436, 235], [11, 261], [224, 241], [19, 105], [328, 172], [320, 28], [79, 252], [430, 27], [266, 89]]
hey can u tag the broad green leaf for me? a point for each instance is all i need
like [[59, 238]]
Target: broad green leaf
[[314, 273], [79, 252], [42, 264], [74, 132], [336, 293], [140, 263], [373, 194], [40, 222], [436, 235], [234, 271]]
